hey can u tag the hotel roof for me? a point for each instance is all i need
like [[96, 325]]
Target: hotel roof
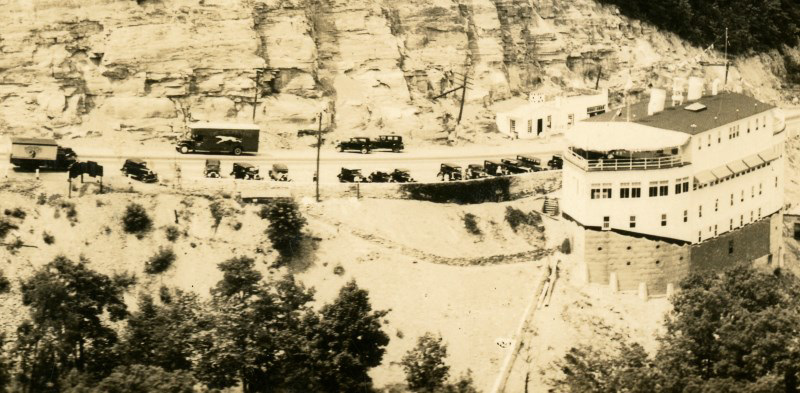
[[719, 110]]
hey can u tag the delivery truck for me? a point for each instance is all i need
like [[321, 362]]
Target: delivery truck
[[225, 138], [35, 153]]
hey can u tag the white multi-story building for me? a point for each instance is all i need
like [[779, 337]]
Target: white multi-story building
[[539, 118], [660, 192]]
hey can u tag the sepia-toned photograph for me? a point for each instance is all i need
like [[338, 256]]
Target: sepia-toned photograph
[[409, 196]]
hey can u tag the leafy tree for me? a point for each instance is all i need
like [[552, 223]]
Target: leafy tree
[[136, 379], [5, 366], [136, 220], [254, 335], [424, 365], [735, 331], [160, 262], [347, 341], [67, 329], [285, 229], [162, 335]]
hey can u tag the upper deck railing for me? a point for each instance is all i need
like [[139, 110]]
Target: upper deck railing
[[625, 164]]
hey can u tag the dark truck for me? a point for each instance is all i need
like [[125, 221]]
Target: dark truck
[[220, 138], [531, 162], [361, 144], [34, 153], [557, 162], [390, 142], [513, 166]]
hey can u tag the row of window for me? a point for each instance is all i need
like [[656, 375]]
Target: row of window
[[632, 222], [733, 131], [634, 190]]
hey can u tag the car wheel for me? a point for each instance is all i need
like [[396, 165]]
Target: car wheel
[[395, 150], [184, 149], [341, 149], [449, 177], [364, 150], [237, 151]]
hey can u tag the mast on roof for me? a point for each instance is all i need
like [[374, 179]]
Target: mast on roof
[[726, 57]]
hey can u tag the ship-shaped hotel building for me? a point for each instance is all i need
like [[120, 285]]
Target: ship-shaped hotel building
[[659, 190]]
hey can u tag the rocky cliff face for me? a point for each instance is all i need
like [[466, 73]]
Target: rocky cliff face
[[100, 66]]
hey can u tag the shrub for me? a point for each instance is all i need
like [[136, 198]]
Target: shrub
[[41, 199], [5, 284], [172, 233], [471, 224], [424, 365], [338, 270], [492, 189], [218, 212], [516, 217], [237, 226], [160, 262], [285, 229], [16, 213], [14, 246], [5, 227], [566, 246], [136, 219], [48, 238]]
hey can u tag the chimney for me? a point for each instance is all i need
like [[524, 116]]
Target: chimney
[[715, 87], [657, 99], [695, 89]]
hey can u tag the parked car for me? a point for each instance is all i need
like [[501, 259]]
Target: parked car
[[402, 175], [531, 162], [391, 142], [557, 162], [512, 166], [379, 177], [137, 169], [475, 171], [351, 175], [494, 168], [212, 169], [33, 153], [279, 172], [449, 172], [358, 143], [246, 171]]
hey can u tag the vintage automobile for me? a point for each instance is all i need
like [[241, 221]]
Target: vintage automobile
[[137, 169], [351, 175], [246, 171], [358, 143], [557, 162], [390, 142], [212, 169], [279, 172], [402, 175], [530, 162], [475, 171], [513, 166], [494, 168], [379, 177], [449, 172]]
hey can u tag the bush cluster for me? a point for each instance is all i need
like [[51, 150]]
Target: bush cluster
[[516, 218], [493, 189], [160, 262], [16, 213], [6, 226], [172, 233], [285, 229], [471, 224], [136, 220]]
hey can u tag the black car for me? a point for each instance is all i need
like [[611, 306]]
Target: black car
[[212, 169], [402, 175], [379, 177], [390, 142], [351, 175], [137, 169], [358, 143], [557, 162], [530, 162], [246, 171], [494, 168], [513, 166], [475, 171], [279, 172], [449, 172]]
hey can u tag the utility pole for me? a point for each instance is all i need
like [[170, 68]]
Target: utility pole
[[255, 95], [464, 86], [319, 147], [726, 57]]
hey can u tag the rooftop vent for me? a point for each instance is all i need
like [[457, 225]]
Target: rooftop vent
[[657, 98], [695, 89], [696, 107]]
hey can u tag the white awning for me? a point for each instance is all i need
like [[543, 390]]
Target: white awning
[[608, 136], [770, 154], [737, 166], [704, 177], [721, 172], [753, 161]]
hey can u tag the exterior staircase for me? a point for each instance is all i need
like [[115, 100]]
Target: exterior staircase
[[550, 206]]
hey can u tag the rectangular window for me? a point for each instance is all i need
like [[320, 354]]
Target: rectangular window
[[595, 191], [751, 216], [731, 199], [625, 192], [759, 188], [741, 220], [663, 188], [685, 216], [730, 246], [715, 230], [756, 123], [686, 186], [513, 125], [776, 181], [549, 121], [731, 224], [716, 204], [759, 213], [606, 191], [678, 188], [719, 136], [663, 220], [636, 190], [633, 222], [699, 236], [570, 119], [752, 191], [742, 196], [530, 126], [606, 223], [653, 189], [709, 140]]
